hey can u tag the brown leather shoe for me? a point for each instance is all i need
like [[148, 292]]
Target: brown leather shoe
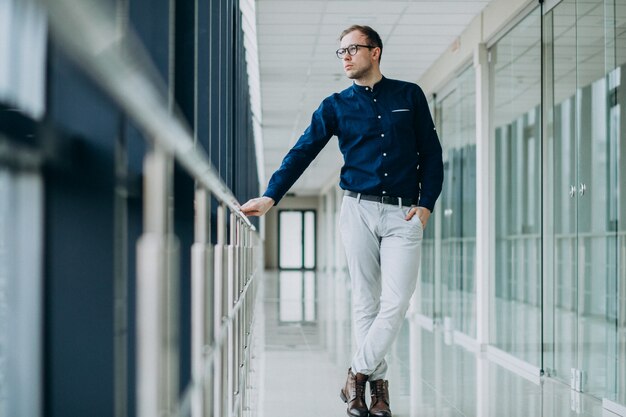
[[380, 398], [354, 394]]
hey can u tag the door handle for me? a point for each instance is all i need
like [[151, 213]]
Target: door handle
[[582, 189], [572, 190]]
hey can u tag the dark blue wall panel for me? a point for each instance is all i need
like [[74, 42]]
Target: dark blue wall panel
[[79, 217]]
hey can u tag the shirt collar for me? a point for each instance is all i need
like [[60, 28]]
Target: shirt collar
[[365, 89]]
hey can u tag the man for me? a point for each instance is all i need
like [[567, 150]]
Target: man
[[392, 176]]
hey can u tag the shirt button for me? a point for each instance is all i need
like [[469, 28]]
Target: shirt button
[[386, 174], [384, 153], [367, 89], [379, 116], [384, 192], [382, 135], [374, 100]]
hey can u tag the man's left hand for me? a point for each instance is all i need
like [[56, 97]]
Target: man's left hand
[[421, 212]]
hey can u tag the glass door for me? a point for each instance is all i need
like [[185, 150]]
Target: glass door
[[561, 303], [581, 285], [596, 199], [296, 239]]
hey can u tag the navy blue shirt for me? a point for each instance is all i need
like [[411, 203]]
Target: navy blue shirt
[[388, 141]]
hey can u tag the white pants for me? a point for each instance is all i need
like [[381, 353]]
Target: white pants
[[383, 254]]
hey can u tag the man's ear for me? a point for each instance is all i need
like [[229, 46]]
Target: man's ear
[[376, 54]]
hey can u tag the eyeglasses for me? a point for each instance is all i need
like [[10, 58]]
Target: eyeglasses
[[351, 50]]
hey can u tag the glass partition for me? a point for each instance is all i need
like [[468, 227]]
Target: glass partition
[[457, 125], [515, 68], [618, 131], [597, 197]]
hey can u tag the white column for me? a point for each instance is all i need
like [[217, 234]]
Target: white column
[[484, 207]]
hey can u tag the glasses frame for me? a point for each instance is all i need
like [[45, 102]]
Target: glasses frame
[[341, 52]]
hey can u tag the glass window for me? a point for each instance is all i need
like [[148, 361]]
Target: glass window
[[309, 239]]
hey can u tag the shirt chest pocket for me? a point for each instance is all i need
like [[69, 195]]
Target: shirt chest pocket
[[402, 121]]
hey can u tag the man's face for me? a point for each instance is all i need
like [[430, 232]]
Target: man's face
[[362, 62]]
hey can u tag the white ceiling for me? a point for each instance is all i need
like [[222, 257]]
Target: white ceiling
[[297, 40]]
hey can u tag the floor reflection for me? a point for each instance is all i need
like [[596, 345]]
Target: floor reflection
[[296, 297], [308, 343]]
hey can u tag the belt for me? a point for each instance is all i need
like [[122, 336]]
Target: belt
[[396, 201]]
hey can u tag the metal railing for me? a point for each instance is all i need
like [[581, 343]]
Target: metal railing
[[222, 275]]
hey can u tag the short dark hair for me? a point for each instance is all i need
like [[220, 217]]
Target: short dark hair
[[371, 34]]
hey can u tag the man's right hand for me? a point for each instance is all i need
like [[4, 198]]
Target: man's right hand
[[257, 206]]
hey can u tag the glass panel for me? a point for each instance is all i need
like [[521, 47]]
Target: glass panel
[[516, 95], [597, 200], [618, 133], [309, 239], [458, 201], [466, 318], [290, 225], [564, 196], [450, 203]]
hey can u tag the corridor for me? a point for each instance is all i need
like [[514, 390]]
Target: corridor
[[135, 281], [305, 344]]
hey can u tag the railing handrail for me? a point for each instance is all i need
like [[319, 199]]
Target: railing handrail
[[120, 65]]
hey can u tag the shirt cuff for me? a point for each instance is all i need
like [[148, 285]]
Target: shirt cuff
[[272, 196], [426, 204]]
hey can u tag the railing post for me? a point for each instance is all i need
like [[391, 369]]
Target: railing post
[[230, 291], [201, 310], [157, 324], [246, 327], [217, 308]]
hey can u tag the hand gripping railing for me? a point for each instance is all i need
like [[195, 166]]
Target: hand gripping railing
[[223, 291]]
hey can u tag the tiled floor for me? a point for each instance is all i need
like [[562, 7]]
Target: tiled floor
[[304, 323]]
